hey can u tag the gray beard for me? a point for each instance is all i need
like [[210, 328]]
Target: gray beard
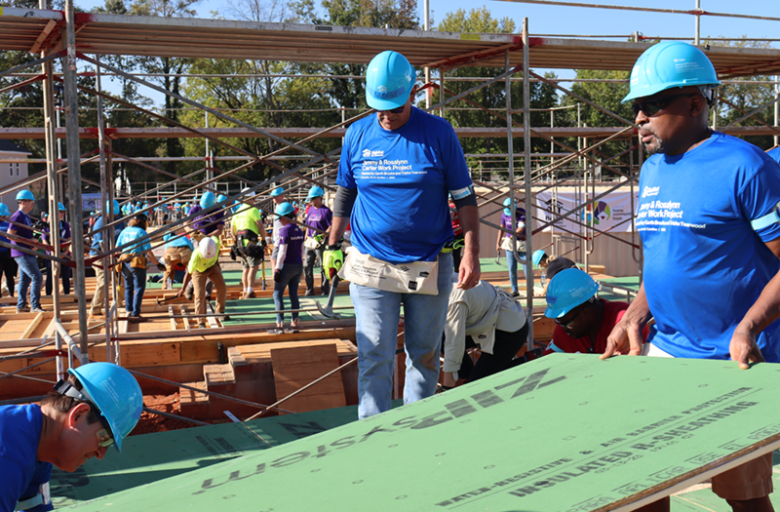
[[660, 148]]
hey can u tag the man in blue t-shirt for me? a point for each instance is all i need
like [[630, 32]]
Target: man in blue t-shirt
[[99, 246], [96, 407], [709, 246], [395, 171]]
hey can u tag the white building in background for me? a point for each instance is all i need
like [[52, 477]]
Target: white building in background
[[11, 173]]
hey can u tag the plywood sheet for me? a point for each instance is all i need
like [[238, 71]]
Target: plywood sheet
[[564, 432], [295, 367]]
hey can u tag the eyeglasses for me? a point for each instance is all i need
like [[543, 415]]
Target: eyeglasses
[[105, 439], [652, 107], [398, 110], [567, 324]]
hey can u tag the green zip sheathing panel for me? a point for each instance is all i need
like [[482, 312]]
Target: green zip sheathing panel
[[564, 432], [152, 457]]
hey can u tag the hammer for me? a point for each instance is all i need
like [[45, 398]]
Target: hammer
[[164, 301]]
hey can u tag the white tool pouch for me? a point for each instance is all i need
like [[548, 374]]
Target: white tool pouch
[[417, 277], [507, 245]]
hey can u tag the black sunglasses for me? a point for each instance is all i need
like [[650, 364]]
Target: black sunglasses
[[398, 110], [652, 107]]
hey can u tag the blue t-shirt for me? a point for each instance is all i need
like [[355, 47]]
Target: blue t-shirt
[[132, 234], [403, 176], [22, 473], [292, 236], [774, 154], [182, 241], [704, 266], [98, 237]]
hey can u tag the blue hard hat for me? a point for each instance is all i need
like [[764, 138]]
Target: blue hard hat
[[277, 191], [61, 207], [667, 65], [284, 209], [537, 256], [567, 290], [207, 200], [115, 392], [4, 211], [389, 81], [25, 195], [315, 191], [221, 198]]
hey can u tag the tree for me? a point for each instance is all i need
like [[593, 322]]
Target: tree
[[479, 20]]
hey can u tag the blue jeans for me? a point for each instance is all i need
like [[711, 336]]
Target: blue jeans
[[290, 276], [135, 285], [512, 262], [377, 313], [29, 273]]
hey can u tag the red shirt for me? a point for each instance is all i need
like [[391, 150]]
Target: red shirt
[[613, 313]]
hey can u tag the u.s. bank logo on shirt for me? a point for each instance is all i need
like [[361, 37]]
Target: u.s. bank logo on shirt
[[367, 153], [650, 191]]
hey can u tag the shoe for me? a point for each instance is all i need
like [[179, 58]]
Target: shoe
[[38, 310], [325, 292], [308, 293], [24, 309], [515, 294], [95, 313], [137, 319], [251, 295], [225, 318]]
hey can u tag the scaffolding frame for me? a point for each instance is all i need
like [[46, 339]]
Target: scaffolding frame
[[54, 34]]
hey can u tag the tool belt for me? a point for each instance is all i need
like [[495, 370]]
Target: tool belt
[[416, 277], [135, 261], [506, 245], [251, 249]]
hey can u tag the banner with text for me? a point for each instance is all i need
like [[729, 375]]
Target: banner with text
[[612, 212]]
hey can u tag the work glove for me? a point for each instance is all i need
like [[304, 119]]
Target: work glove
[[277, 275], [333, 260], [319, 238]]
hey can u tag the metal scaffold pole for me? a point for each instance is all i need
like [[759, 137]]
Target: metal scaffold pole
[[74, 172], [529, 223], [51, 175]]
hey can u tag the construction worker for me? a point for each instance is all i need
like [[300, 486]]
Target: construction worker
[[65, 235], [29, 273], [506, 242], [99, 246], [483, 316], [550, 267], [203, 266], [96, 407], [320, 217], [134, 263], [8, 266], [177, 252], [208, 225], [583, 321], [706, 216], [395, 171], [289, 265], [277, 195], [248, 232]]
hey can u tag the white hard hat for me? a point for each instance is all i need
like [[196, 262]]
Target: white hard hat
[[248, 192], [208, 248]]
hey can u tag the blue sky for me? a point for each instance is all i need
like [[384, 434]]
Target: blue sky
[[547, 19]]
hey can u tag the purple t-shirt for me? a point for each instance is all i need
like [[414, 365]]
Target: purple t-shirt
[[320, 218], [22, 218], [201, 221], [64, 233], [506, 221], [292, 236]]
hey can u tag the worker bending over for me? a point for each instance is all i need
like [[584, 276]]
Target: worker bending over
[[203, 266], [486, 317], [177, 252], [96, 407]]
